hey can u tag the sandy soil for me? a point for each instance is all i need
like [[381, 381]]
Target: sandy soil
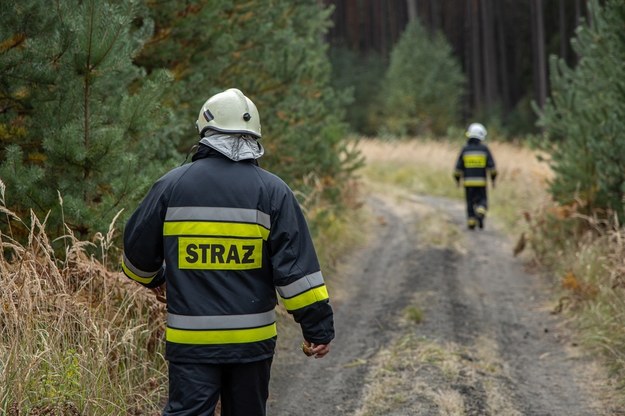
[[470, 289]]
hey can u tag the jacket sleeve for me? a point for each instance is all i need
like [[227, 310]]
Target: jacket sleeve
[[296, 271], [143, 240], [490, 165], [459, 169]]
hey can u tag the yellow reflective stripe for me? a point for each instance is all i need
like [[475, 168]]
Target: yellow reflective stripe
[[230, 336], [229, 229], [306, 298], [134, 276], [475, 182]]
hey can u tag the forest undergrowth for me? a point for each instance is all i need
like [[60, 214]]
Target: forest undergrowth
[[76, 336]]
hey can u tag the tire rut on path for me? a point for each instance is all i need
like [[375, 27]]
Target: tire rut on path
[[375, 292]]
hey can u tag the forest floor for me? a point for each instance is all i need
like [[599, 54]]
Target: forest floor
[[435, 319]]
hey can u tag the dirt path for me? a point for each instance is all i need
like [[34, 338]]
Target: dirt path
[[481, 341]]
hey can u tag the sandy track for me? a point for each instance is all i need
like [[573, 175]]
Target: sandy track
[[468, 295]]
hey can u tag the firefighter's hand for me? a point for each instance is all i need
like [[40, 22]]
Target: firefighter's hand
[[160, 293], [315, 350]]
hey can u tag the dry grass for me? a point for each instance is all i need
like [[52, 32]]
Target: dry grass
[[420, 376], [587, 259], [75, 337]]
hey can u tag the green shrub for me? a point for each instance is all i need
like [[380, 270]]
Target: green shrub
[[585, 115], [423, 86]]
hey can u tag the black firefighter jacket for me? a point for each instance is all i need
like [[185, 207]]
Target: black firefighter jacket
[[225, 236], [474, 162]]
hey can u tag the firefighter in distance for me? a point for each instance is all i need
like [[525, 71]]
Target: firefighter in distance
[[233, 239], [475, 163]]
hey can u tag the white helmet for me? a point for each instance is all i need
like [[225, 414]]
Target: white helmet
[[476, 130], [229, 112]]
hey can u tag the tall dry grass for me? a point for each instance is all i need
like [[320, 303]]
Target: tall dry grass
[[586, 258], [79, 338], [76, 337]]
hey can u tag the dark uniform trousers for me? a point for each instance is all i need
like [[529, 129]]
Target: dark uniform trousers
[[194, 389], [477, 204]]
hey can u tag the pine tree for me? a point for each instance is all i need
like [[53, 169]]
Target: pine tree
[[585, 116], [87, 112], [274, 52], [423, 85]]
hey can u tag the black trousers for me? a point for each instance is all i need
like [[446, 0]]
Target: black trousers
[[194, 389], [476, 198]]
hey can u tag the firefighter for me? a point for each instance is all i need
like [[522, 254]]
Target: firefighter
[[223, 236], [474, 164]]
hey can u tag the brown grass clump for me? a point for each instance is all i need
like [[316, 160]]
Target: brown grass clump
[[588, 253], [75, 337]]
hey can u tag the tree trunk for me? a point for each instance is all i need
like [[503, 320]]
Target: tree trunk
[[352, 22], [564, 36], [542, 58], [412, 10], [476, 70], [435, 16], [538, 48], [488, 53], [503, 55]]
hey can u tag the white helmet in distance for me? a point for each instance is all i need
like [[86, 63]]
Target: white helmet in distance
[[477, 131], [229, 112]]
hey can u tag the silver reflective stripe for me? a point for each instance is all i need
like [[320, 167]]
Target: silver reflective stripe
[[475, 153], [301, 285], [218, 214], [136, 271], [475, 179], [221, 321]]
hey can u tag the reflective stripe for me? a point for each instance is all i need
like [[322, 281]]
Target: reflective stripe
[[136, 274], [229, 229], [218, 214], [474, 181], [301, 285], [307, 298], [233, 336], [221, 321]]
